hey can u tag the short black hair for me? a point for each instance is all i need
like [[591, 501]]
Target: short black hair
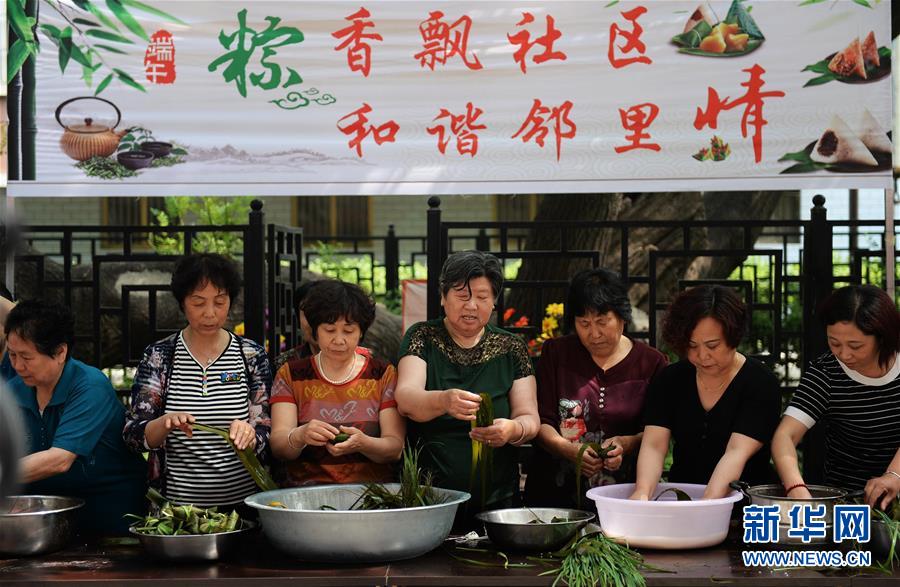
[[596, 290], [45, 324], [192, 271], [302, 291], [705, 301], [871, 310], [332, 300], [463, 266]]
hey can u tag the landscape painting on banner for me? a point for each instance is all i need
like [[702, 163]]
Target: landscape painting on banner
[[265, 97]]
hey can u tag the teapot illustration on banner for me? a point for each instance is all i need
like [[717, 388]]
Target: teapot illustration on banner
[[83, 141]]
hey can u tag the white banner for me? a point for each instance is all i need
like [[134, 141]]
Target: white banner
[[267, 98]]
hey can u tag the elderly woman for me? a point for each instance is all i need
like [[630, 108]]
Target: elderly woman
[[204, 374], [855, 389], [591, 388], [73, 421], [719, 406], [307, 346], [339, 390], [445, 363]]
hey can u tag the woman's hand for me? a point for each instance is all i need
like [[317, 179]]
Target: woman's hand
[[881, 491], [177, 421], [613, 459], [497, 434], [316, 433], [799, 492], [461, 404], [352, 445], [639, 495], [242, 434], [591, 463]]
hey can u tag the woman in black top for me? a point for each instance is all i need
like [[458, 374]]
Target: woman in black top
[[719, 406]]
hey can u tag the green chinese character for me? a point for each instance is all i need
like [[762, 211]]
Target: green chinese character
[[241, 45]]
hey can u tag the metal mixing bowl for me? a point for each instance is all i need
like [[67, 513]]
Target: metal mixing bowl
[[514, 528], [36, 524], [306, 532], [193, 547]]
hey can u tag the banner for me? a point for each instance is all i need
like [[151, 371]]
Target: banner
[[381, 97]]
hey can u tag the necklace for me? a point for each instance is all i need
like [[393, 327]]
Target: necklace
[[195, 352], [458, 342], [708, 389], [351, 372]]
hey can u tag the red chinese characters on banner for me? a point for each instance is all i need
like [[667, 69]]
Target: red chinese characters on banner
[[462, 126], [357, 125], [442, 41], [523, 40], [359, 52], [535, 125], [752, 101], [637, 119], [159, 59], [632, 41]]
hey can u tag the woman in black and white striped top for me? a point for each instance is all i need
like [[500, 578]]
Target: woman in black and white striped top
[[203, 374], [855, 388]]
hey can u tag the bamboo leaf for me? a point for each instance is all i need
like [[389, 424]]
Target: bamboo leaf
[[115, 6], [111, 49], [79, 56], [65, 49], [863, 3], [85, 22], [19, 52], [807, 2], [101, 16], [151, 10], [128, 80], [108, 36], [102, 85], [20, 23], [803, 168], [818, 81]]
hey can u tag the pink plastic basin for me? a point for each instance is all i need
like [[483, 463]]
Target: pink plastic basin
[[666, 523]]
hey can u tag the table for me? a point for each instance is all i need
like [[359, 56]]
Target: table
[[92, 562]]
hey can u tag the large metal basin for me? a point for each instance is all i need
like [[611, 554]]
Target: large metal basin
[[193, 547], [515, 528], [36, 524], [306, 532]]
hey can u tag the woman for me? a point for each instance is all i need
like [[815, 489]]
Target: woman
[[855, 388], [339, 390], [201, 374], [445, 363], [719, 406], [307, 346], [73, 421], [591, 388]]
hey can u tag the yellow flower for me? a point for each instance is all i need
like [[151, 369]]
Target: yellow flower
[[549, 324], [239, 329], [555, 310]]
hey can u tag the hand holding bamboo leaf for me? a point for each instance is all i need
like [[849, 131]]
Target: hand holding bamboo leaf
[[461, 404], [247, 457]]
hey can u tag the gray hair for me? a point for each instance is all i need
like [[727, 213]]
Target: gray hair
[[463, 266]]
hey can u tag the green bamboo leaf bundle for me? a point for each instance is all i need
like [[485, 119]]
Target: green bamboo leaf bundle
[[482, 454], [181, 520], [247, 458], [601, 452]]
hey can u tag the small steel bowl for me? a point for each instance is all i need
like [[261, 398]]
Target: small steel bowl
[[36, 524], [158, 148], [516, 529], [193, 547], [134, 160]]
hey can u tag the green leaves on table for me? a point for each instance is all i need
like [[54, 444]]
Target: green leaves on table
[[826, 75], [181, 520]]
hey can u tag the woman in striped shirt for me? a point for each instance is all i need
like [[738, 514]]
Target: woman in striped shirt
[[201, 374], [855, 389]]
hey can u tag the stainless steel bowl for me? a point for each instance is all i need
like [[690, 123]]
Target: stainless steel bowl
[[36, 524], [306, 532], [193, 547], [514, 528]]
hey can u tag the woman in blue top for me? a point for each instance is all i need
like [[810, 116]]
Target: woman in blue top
[[72, 420]]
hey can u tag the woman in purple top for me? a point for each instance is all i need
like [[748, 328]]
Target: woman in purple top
[[591, 388]]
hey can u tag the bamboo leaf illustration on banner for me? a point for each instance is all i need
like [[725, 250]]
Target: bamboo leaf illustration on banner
[[114, 23]]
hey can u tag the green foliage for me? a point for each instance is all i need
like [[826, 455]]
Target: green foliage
[[205, 211], [88, 22]]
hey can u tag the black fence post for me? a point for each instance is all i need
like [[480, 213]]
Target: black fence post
[[391, 261], [434, 256], [482, 242], [254, 274], [818, 281]]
